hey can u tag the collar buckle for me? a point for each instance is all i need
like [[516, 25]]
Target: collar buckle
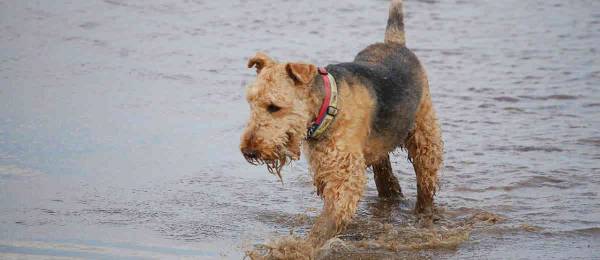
[[332, 111]]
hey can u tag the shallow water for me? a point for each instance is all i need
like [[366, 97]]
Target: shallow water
[[120, 121]]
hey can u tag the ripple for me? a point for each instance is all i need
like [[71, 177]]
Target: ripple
[[594, 141], [551, 97], [591, 105], [526, 148], [506, 99], [14, 171]]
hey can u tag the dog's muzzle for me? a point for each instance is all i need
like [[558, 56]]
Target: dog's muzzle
[[250, 153]]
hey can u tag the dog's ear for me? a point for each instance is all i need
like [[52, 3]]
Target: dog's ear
[[260, 60], [301, 73]]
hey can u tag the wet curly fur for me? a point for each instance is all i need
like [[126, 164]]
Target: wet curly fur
[[384, 104]]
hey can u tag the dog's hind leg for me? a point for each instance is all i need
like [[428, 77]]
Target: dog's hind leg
[[387, 184], [425, 150]]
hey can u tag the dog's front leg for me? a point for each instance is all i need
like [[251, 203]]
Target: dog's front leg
[[340, 181]]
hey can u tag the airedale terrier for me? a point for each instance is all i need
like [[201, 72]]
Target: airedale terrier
[[347, 117]]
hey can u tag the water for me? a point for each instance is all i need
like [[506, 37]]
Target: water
[[120, 122]]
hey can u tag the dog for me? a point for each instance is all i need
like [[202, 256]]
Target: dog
[[347, 117]]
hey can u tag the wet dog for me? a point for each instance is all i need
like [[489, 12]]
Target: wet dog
[[347, 117]]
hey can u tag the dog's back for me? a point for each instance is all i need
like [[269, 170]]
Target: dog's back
[[394, 76]]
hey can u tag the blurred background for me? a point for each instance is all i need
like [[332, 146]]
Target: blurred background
[[120, 122]]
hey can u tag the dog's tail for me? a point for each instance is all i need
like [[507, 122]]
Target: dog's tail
[[394, 33]]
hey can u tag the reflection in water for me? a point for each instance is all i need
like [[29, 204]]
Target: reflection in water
[[120, 124]]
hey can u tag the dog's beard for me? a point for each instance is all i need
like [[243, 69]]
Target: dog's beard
[[282, 155], [274, 166]]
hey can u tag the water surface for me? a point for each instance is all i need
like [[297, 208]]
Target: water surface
[[120, 121]]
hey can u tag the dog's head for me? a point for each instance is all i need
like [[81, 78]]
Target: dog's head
[[281, 108]]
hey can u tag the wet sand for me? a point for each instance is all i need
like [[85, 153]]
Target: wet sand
[[120, 121]]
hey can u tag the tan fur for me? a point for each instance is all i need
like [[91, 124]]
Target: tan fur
[[301, 73], [376, 149], [260, 60], [425, 149], [394, 33]]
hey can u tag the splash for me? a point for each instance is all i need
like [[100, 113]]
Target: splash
[[373, 239], [291, 247]]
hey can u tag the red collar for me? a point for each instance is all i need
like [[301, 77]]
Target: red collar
[[327, 108]]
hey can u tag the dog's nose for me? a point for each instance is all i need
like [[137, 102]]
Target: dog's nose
[[250, 153]]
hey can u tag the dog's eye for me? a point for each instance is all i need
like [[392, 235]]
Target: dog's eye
[[273, 108]]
